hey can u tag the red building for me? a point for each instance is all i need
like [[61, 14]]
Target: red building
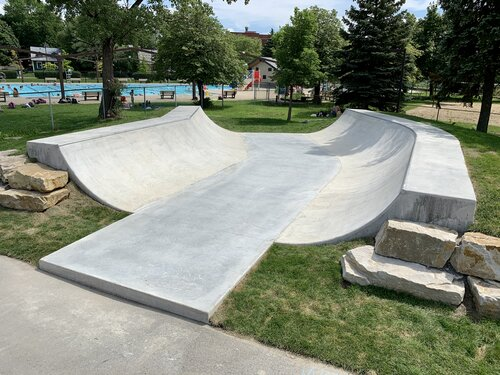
[[264, 38]]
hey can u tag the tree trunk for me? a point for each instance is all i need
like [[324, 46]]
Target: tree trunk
[[61, 76], [97, 68], [290, 104], [488, 88], [317, 93], [431, 89], [108, 98], [202, 92], [194, 90]]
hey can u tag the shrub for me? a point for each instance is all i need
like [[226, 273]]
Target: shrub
[[9, 74], [150, 76]]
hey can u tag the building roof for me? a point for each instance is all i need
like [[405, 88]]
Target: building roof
[[268, 60], [52, 51], [264, 38]]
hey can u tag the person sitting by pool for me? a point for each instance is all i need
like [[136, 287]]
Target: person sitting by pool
[[15, 92]]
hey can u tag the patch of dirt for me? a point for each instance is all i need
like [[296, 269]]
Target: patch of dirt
[[456, 112]]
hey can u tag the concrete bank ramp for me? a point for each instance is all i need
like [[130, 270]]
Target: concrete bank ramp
[[208, 203], [391, 168], [128, 166]]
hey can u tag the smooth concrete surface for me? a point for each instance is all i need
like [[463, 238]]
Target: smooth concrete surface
[[128, 166], [49, 326], [392, 168], [186, 253], [219, 199]]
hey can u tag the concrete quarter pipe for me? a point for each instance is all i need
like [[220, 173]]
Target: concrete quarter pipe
[[207, 203]]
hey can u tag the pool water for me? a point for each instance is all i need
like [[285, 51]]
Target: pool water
[[31, 90]]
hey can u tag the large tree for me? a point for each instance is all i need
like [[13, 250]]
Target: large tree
[[196, 48], [328, 44], [377, 39], [472, 51], [268, 47], [298, 61], [248, 48], [34, 22], [7, 38], [110, 23], [430, 31]]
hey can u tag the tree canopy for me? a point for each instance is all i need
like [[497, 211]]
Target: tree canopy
[[34, 22], [471, 46], [8, 38], [298, 61], [377, 40], [196, 48], [247, 48]]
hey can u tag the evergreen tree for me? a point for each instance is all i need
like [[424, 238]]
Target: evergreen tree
[[268, 48], [472, 51], [430, 31], [371, 72]]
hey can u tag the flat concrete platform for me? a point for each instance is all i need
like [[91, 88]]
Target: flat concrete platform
[[184, 254], [49, 326], [208, 203]]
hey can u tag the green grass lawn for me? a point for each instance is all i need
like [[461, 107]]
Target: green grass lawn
[[295, 299]]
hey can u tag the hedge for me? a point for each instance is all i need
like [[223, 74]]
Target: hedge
[[42, 74], [9, 74]]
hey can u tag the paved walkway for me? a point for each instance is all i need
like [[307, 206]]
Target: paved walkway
[[49, 326]]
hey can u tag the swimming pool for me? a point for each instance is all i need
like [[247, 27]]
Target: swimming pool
[[32, 90]]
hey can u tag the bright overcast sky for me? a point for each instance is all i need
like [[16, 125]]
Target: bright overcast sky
[[262, 15]]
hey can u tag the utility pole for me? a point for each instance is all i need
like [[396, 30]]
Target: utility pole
[[400, 92]]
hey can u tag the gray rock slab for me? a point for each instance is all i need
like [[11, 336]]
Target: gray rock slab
[[422, 243], [50, 326], [39, 177], [27, 200], [184, 254], [478, 255], [364, 267], [486, 295]]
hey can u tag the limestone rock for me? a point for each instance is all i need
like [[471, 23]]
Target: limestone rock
[[31, 200], [426, 244], [8, 163], [486, 295], [39, 177], [478, 255], [364, 267]]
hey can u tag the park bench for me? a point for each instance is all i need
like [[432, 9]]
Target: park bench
[[142, 80], [50, 80], [75, 80], [122, 80], [229, 94], [91, 94], [3, 96], [168, 94]]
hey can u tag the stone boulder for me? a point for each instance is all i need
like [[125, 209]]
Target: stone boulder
[[364, 267], [478, 255], [31, 200], [486, 295], [9, 163], [39, 177], [426, 244]]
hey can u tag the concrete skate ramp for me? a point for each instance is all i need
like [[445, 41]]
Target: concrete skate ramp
[[128, 166], [218, 200], [391, 168]]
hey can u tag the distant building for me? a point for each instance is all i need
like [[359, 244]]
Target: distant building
[[264, 38], [147, 57], [38, 61], [266, 66]]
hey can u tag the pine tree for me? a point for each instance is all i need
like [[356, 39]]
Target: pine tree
[[268, 48], [377, 38]]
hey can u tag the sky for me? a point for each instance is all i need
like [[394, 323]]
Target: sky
[[262, 15]]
